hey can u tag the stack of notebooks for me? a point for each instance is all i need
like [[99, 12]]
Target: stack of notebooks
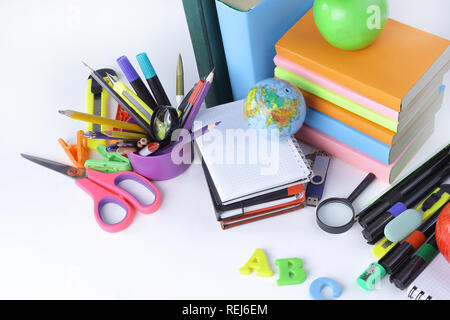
[[374, 107], [249, 177]]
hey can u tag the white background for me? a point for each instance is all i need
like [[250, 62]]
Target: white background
[[50, 245]]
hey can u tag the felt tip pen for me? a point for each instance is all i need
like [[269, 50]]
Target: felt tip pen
[[139, 106], [152, 80], [136, 82], [140, 121], [412, 268], [402, 251], [149, 149], [179, 81], [374, 231], [398, 254], [396, 193]]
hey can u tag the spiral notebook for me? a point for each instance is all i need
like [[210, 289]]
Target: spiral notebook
[[242, 163], [433, 283]]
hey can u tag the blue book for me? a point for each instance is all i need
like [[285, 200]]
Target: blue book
[[348, 135], [250, 29]]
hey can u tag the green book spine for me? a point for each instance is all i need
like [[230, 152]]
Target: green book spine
[[203, 25], [325, 94]]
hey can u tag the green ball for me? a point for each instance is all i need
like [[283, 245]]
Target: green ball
[[350, 24]]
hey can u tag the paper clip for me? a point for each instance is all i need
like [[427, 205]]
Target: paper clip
[[113, 162], [77, 153]]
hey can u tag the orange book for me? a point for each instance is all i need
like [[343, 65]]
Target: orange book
[[353, 120], [391, 71]]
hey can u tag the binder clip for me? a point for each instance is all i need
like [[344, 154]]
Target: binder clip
[[77, 153], [97, 104], [113, 162]]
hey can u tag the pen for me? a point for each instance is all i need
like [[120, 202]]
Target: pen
[[149, 149], [136, 82], [402, 251], [152, 80], [140, 121], [101, 120], [396, 194], [180, 81], [192, 113], [185, 108], [412, 268], [374, 231]]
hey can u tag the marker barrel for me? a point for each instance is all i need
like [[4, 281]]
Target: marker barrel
[[396, 193], [412, 268]]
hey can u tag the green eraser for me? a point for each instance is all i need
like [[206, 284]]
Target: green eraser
[[402, 225]]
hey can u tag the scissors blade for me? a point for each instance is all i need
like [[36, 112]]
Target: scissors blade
[[69, 171]]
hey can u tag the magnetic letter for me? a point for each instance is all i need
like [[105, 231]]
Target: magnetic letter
[[257, 262], [291, 271]]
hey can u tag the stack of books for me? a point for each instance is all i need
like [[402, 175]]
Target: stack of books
[[374, 107], [248, 177]]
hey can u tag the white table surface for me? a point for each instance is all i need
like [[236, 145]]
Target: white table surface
[[50, 245]]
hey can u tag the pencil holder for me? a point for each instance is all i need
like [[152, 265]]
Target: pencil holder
[[162, 166]]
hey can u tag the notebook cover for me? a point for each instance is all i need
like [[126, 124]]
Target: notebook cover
[[242, 170], [249, 38], [386, 173], [325, 94], [204, 29], [385, 71]]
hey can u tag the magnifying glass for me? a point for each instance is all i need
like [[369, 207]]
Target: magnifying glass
[[337, 215]]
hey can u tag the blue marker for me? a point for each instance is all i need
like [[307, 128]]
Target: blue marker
[[153, 80]]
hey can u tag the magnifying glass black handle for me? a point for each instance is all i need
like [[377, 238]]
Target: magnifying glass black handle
[[361, 187]]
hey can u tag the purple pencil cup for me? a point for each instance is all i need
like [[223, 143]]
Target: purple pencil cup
[[160, 167]]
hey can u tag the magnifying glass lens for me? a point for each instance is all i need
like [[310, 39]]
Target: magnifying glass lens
[[165, 121], [335, 214]]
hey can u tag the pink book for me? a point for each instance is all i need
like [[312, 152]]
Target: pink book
[[336, 88], [386, 173]]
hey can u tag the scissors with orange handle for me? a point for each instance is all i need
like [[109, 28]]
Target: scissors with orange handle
[[104, 189]]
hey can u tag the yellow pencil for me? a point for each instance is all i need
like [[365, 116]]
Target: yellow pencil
[[124, 135], [101, 120]]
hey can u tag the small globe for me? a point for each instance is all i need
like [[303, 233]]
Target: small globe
[[275, 104]]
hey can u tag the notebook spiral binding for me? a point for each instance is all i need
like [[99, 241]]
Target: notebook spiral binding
[[296, 149], [420, 295]]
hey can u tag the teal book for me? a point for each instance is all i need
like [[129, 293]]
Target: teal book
[[250, 29], [204, 30]]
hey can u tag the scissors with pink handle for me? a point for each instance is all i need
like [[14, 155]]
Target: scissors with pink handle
[[104, 189]]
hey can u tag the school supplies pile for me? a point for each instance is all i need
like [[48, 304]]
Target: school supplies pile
[[403, 222], [374, 107], [249, 176], [146, 130]]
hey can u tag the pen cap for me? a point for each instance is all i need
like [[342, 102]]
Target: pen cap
[[146, 65], [127, 68]]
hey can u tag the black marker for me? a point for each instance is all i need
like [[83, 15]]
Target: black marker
[[412, 268], [375, 230], [405, 186], [136, 82], [153, 80], [403, 250]]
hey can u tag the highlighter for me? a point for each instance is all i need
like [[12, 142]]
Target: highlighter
[[374, 231], [136, 82], [412, 268], [152, 79]]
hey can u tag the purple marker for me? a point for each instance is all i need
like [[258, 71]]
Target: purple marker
[[136, 82]]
